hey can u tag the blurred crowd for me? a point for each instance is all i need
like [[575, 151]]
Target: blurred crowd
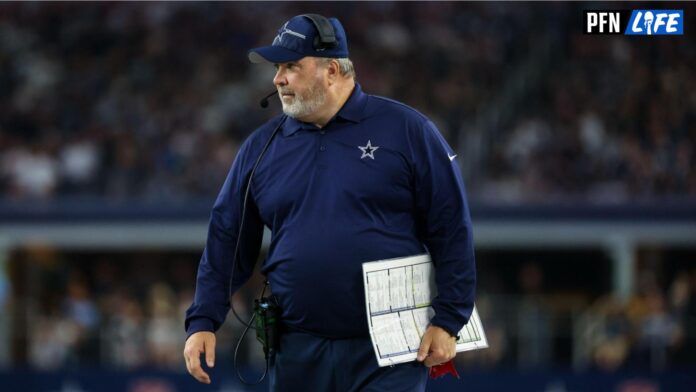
[[612, 121], [540, 329], [653, 330], [115, 329], [120, 314], [105, 313], [151, 100]]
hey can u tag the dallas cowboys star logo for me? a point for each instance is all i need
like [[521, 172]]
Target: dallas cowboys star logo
[[285, 30], [368, 150]]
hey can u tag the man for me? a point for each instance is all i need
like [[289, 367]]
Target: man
[[349, 178]]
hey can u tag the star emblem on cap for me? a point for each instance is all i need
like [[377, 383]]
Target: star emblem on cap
[[285, 30], [368, 150]]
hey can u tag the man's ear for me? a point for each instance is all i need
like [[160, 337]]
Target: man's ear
[[333, 71]]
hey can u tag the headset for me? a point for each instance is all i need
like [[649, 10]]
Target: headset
[[327, 35]]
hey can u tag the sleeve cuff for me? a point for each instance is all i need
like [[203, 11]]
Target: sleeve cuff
[[198, 325]]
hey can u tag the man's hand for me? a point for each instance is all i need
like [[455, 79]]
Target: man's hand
[[200, 342], [437, 346]]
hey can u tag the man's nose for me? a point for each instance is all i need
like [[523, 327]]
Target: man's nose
[[279, 79]]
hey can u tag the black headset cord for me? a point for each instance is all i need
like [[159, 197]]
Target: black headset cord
[[239, 343], [248, 325], [241, 223]]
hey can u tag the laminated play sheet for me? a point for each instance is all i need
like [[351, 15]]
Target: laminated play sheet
[[398, 293]]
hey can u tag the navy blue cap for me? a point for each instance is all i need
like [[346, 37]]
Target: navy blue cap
[[296, 39]]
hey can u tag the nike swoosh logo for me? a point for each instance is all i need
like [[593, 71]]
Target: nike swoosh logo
[[451, 157]]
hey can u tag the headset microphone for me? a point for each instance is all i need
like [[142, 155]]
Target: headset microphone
[[264, 100]]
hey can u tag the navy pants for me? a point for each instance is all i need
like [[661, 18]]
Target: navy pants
[[309, 363]]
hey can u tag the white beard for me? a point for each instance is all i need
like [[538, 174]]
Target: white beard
[[307, 104]]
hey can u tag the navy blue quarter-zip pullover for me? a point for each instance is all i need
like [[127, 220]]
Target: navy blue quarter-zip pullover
[[378, 181]]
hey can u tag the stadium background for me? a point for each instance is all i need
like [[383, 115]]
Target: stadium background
[[118, 123]]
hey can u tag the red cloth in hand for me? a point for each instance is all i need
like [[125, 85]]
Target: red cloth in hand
[[442, 369]]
